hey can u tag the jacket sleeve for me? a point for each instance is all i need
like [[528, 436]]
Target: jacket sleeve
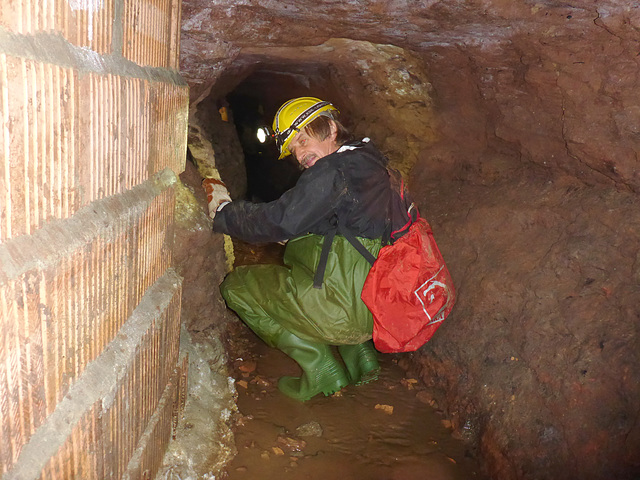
[[306, 208]]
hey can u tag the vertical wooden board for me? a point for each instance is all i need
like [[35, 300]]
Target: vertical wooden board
[[174, 46], [85, 147], [49, 311], [11, 15], [124, 307], [152, 372], [80, 456], [34, 299], [37, 353], [170, 118], [136, 130], [115, 132], [148, 32], [18, 131], [52, 351], [5, 152], [153, 443], [14, 367], [6, 458], [96, 299], [23, 339], [35, 141]]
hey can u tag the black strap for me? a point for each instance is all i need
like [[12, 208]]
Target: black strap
[[357, 245], [324, 256], [387, 236], [307, 113], [326, 248]]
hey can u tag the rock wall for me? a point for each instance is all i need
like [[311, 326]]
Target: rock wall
[[202, 440], [536, 361], [522, 148]]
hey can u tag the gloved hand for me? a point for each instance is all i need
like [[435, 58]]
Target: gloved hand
[[217, 194]]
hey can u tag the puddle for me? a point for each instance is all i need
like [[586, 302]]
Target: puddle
[[382, 430]]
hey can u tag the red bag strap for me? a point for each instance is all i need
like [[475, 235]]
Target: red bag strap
[[412, 213]]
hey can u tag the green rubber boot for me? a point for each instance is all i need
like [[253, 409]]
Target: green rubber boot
[[321, 372], [361, 362]]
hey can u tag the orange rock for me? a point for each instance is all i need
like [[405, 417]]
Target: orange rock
[[247, 366], [242, 383], [388, 409]]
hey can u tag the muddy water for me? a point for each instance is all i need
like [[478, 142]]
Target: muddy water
[[383, 430]]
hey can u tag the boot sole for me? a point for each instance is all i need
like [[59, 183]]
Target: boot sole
[[368, 377], [335, 387]]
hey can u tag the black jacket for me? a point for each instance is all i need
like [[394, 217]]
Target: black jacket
[[351, 187]]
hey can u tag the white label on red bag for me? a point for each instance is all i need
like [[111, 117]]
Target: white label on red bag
[[433, 297]]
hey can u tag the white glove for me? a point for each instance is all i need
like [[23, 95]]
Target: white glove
[[217, 194]]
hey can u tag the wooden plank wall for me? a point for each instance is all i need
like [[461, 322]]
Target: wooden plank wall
[[93, 123]]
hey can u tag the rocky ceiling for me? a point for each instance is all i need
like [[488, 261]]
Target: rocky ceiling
[[216, 32], [537, 77]]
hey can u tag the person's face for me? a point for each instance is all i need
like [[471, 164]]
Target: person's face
[[308, 150]]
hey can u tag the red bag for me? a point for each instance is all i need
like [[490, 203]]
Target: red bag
[[409, 291]]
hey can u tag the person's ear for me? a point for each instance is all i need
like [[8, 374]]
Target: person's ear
[[333, 130]]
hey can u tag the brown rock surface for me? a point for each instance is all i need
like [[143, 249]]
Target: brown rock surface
[[520, 124], [199, 258]]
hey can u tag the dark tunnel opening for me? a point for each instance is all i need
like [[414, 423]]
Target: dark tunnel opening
[[252, 103], [267, 177]]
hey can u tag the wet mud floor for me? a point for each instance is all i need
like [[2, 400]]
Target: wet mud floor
[[384, 430]]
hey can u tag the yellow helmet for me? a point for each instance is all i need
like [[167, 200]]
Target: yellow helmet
[[294, 115]]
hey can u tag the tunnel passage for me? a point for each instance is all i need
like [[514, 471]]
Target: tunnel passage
[[383, 92], [379, 445], [526, 172], [252, 104]]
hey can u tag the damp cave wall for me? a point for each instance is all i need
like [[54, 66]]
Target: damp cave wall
[[93, 122], [517, 125]]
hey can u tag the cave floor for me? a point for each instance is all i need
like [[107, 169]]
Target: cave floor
[[386, 429]]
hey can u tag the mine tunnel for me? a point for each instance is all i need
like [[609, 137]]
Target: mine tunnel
[[516, 128]]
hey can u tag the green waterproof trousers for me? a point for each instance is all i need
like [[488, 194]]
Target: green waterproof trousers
[[270, 298]]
